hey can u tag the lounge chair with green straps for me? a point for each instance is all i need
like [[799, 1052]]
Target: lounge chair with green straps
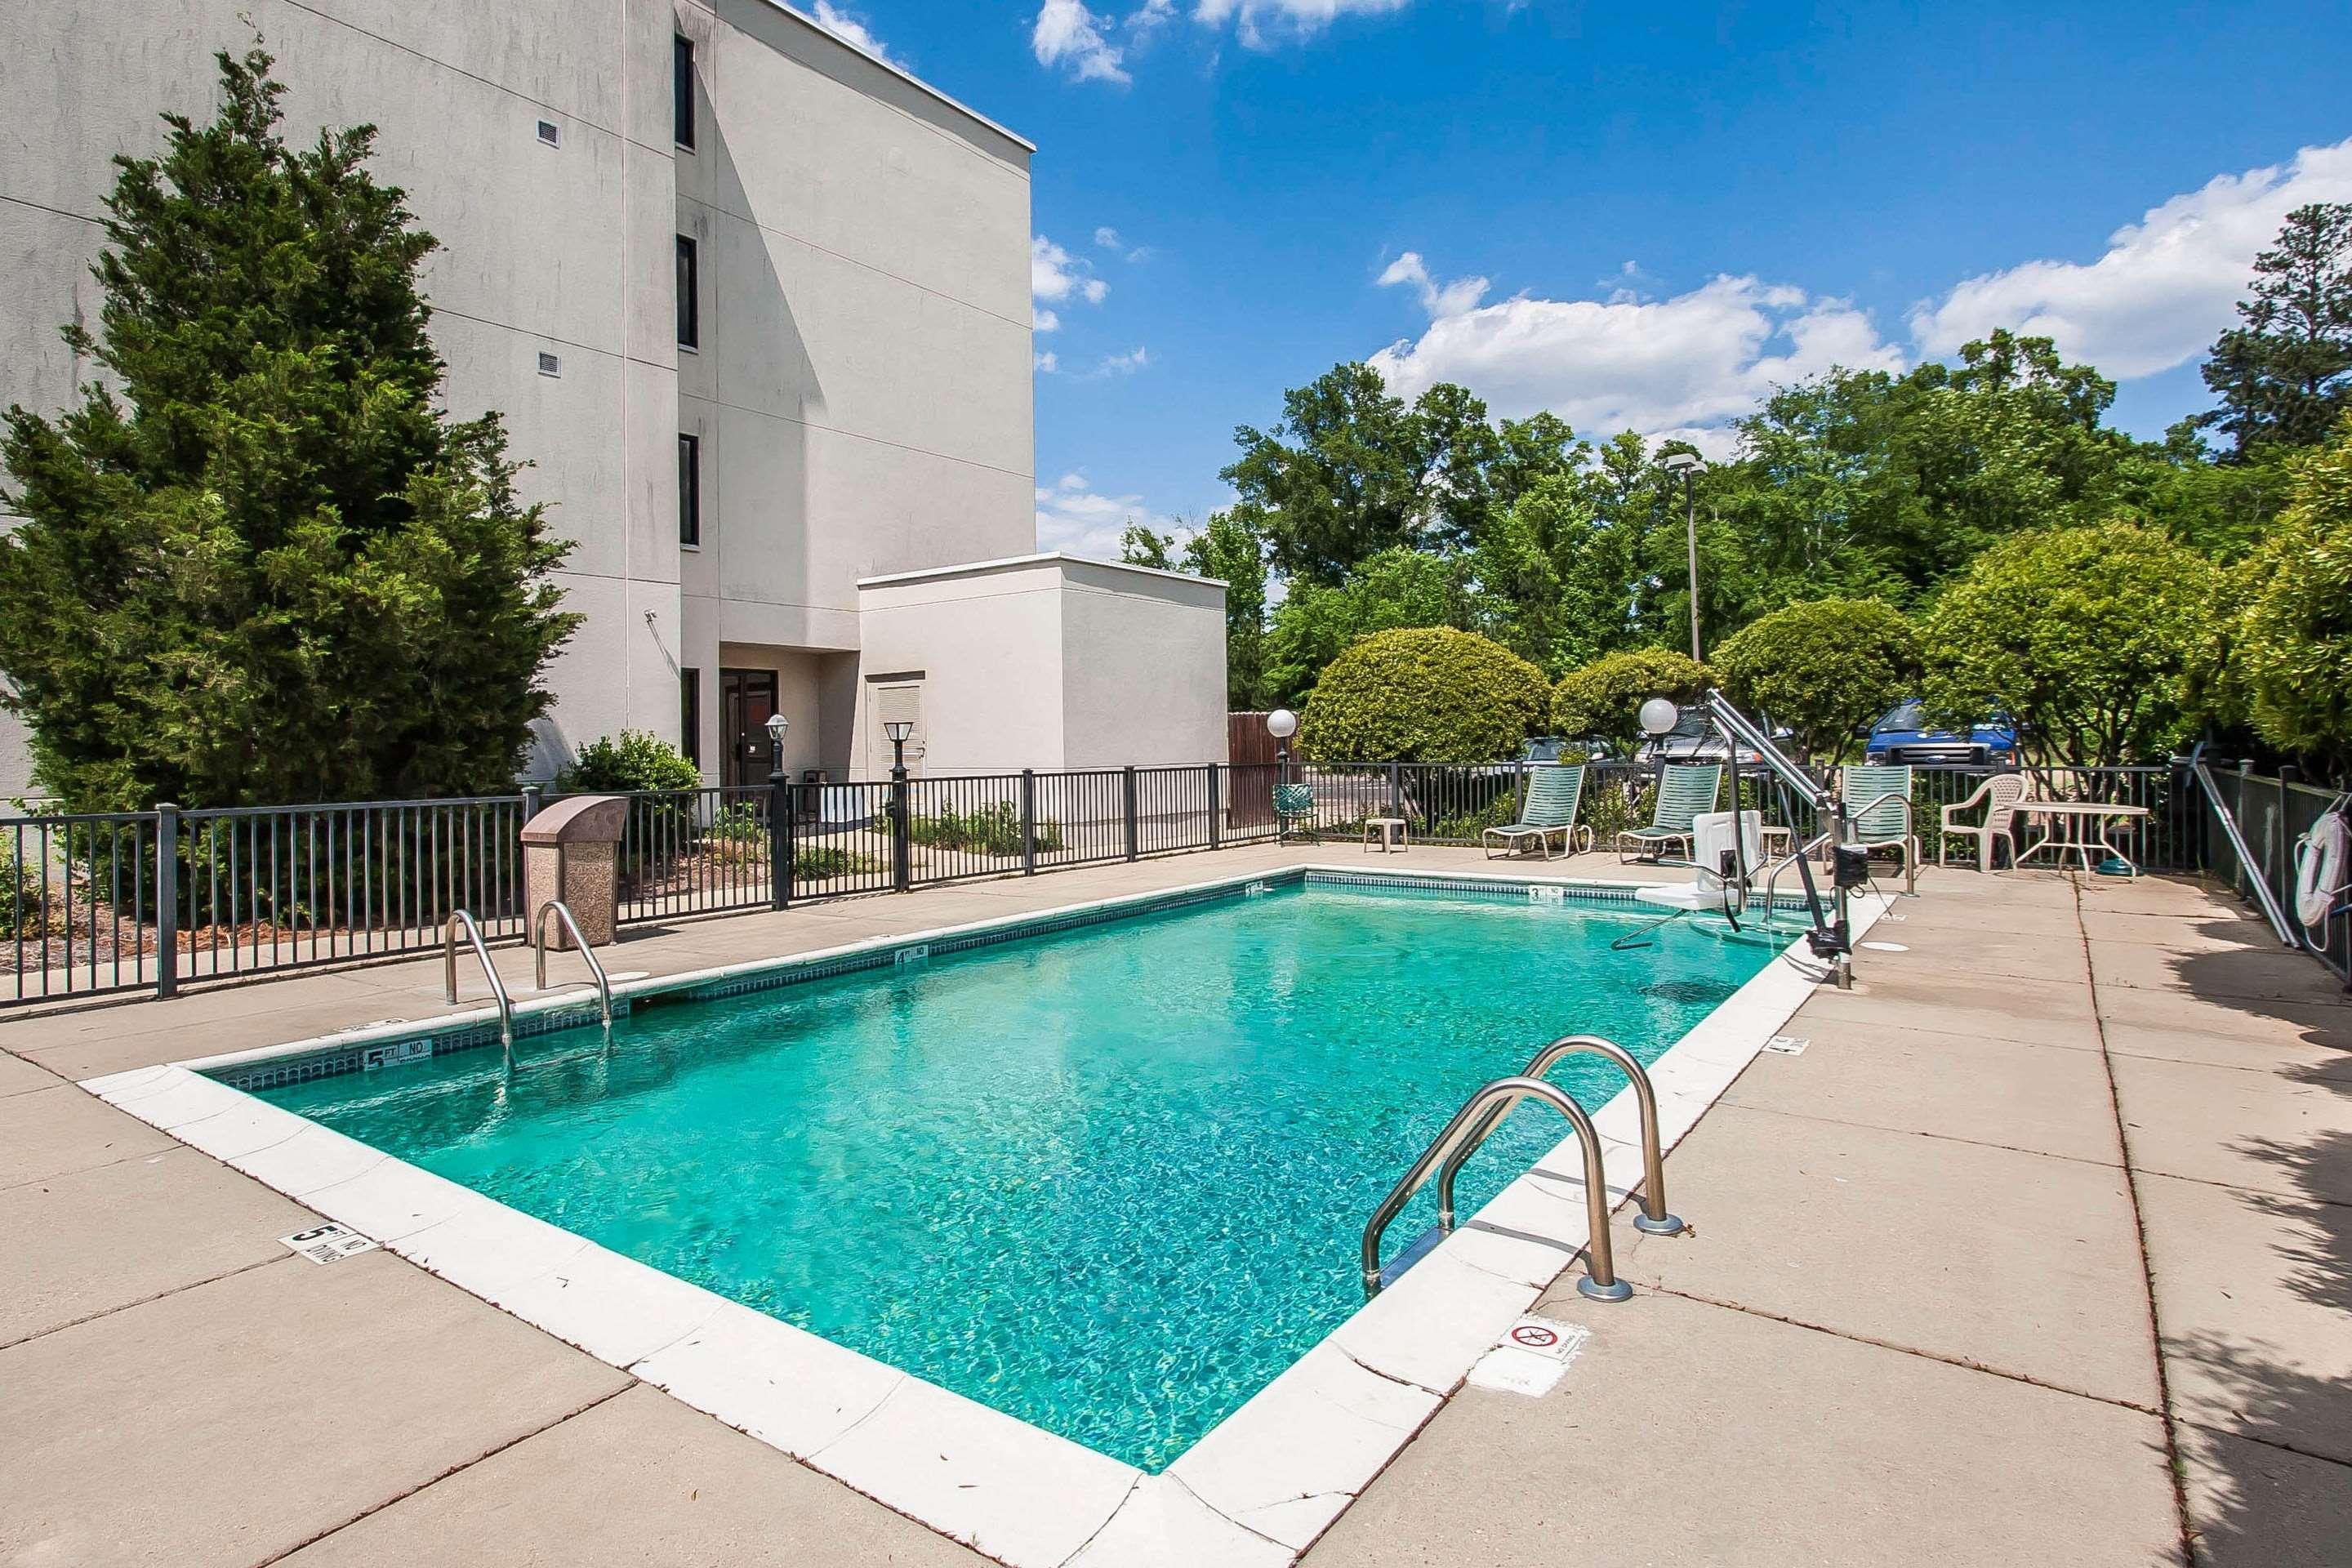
[[1880, 822], [1684, 791], [1554, 792], [1294, 804]]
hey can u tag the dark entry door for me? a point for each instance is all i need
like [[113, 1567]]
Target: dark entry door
[[749, 699]]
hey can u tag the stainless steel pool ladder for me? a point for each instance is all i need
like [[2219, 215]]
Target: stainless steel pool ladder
[[562, 912], [498, 986], [1654, 1219]]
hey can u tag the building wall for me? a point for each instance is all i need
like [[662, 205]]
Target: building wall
[[1048, 661], [862, 390], [1143, 667]]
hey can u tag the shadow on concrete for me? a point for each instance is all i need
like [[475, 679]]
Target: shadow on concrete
[[2253, 1504]]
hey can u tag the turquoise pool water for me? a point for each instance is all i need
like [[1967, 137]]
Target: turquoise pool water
[[1110, 1180]]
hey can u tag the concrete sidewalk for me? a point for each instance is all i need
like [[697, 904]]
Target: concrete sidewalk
[[1915, 1324], [2051, 1210]]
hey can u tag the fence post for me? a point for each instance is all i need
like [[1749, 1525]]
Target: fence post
[[2283, 884], [1128, 779], [530, 801], [1028, 822], [779, 841], [1216, 836], [167, 899], [1396, 793], [902, 871]]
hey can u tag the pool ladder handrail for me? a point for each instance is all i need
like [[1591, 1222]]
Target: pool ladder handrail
[[1772, 879], [562, 912], [1599, 1282], [498, 986], [1654, 1219]]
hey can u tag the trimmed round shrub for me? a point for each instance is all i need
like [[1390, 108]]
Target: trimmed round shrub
[[1422, 694], [1604, 697], [1823, 667]]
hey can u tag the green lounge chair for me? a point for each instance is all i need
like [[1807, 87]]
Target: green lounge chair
[[1885, 825], [1554, 791], [1684, 791], [1293, 804]]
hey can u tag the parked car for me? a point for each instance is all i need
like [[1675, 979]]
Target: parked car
[[1551, 747], [1695, 738], [1902, 736]]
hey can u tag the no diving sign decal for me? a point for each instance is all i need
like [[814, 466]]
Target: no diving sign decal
[[1533, 1356]]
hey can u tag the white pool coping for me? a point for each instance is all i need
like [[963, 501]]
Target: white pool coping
[[1258, 1489]]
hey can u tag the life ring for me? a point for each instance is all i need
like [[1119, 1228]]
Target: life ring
[[2319, 878]]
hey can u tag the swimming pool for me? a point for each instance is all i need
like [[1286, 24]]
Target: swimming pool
[[1108, 1180]]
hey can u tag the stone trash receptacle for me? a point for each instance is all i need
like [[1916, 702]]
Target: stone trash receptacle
[[570, 851]]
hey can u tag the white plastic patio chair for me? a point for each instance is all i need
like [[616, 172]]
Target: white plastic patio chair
[[1998, 795]]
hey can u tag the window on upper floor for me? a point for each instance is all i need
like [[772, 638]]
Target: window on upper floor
[[689, 490], [689, 313], [681, 89]]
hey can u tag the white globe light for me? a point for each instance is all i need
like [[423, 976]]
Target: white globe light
[[1282, 723], [1658, 715]]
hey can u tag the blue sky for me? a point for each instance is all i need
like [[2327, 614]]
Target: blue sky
[[1637, 217]]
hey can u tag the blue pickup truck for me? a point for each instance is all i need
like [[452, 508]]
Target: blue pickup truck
[[1902, 736]]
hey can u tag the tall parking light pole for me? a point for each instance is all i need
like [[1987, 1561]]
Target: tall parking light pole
[[1687, 465]]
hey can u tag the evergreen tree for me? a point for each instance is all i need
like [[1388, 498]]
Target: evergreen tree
[[260, 565], [2286, 377]]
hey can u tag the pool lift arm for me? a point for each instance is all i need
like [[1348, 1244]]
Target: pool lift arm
[[1831, 938]]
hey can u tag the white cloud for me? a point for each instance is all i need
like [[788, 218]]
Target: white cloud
[[1451, 300], [1046, 363], [2164, 287], [1109, 238], [1128, 363], [1056, 276], [1259, 23], [1073, 516], [1066, 33], [851, 31], [1680, 364]]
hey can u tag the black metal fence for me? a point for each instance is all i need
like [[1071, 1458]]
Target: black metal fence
[[97, 904]]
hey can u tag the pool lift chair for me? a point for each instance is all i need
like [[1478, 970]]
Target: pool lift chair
[[1727, 858]]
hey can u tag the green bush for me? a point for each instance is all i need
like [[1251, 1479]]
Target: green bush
[[817, 862], [637, 759], [2082, 635], [21, 905], [987, 830], [1425, 694], [2293, 638], [1824, 668], [1604, 698]]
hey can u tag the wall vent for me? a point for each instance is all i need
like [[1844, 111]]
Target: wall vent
[[549, 365], [550, 133]]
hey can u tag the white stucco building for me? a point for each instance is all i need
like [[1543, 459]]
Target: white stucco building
[[754, 303]]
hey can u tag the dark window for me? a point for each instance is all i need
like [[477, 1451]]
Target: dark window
[[681, 89], [689, 715], [689, 490], [689, 314]]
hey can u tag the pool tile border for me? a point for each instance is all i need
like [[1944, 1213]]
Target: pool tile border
[[1257, 1488]]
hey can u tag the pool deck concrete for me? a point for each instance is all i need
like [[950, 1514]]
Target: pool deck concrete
[[2041, 1251]]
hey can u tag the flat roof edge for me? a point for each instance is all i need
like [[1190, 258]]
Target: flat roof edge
[[1002, 563], [903, 74]]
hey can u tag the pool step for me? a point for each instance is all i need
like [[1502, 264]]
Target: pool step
[[1420, 1246]]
